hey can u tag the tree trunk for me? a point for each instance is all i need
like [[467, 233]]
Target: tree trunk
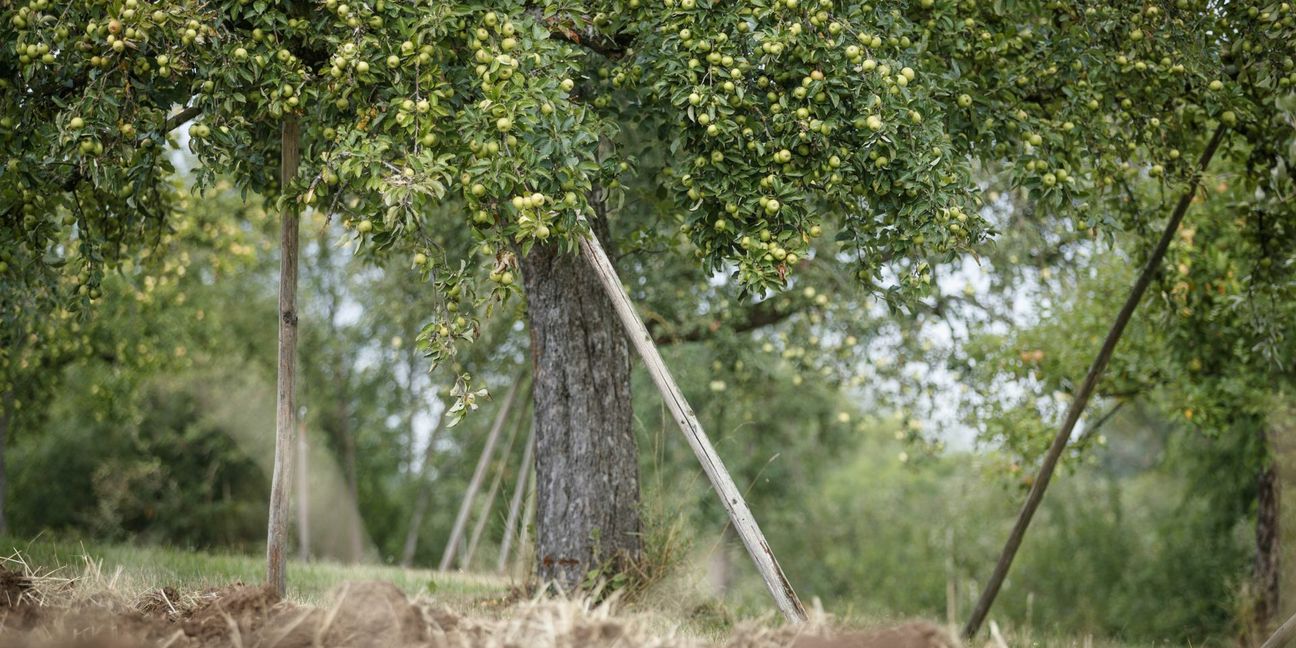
[[6, 417], [424, 496], [587, 464], [735, 503], [515, 504], [488, 503], [1265, 572], [277, 532], [461, 519]]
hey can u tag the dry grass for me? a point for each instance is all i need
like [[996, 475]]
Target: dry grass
[[92, 607], [160, 597]]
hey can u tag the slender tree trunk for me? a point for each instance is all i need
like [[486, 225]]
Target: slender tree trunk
[[587, 464], [465, 507], [424, 496], [515, 504], [501, 467], [277, 533], [6, 417], [1265, 569], [1086, 389], [303, 493]]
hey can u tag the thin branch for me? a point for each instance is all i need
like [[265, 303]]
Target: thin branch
[[179, 119], [758, 316], [609, 46]]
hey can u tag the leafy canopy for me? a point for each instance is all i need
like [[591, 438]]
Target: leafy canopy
[[773, 118]]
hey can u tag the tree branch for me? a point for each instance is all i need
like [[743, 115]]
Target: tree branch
[[758, 316], [179, 119], [614, 46]]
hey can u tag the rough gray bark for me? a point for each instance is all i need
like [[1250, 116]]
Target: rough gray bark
[[488, 503], [277, 532], [1265, 568], [424, 496], [587, 464], [515, 504], [6, 417]]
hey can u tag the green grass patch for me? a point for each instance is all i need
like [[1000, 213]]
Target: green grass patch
[[132, 570]]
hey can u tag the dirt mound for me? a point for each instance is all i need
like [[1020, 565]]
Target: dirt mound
[[371, 615], [363, 615], [230, 613], [164, 602], [909, 635]]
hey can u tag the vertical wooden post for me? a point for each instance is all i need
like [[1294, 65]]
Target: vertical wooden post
[[277, 533], [461, 520], [1086, 390], [303, 493], [489, 502], [515, 504], [740, 515]]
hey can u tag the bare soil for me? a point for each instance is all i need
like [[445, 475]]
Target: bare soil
[[366, 615]]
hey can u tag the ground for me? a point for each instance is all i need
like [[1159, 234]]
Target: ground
[[116, 596]]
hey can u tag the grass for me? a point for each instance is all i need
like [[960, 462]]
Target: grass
[[134, 570]]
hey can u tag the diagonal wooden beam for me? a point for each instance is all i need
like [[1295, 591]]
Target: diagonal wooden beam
[[1086, 391], [741, 516]]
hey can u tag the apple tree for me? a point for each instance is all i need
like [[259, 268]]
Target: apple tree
[[753, 128]]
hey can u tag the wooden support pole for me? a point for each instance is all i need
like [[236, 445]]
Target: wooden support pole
[[1283, 636], [489, 502], [277, 532], [515, 504], [740, 515], [1086, 390], [461, 520]]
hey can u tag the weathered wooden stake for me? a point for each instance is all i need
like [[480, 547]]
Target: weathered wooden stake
[[277, 533], [461, 520], [515, 504], [739, 514], [1283, 636], [1086, 390]]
